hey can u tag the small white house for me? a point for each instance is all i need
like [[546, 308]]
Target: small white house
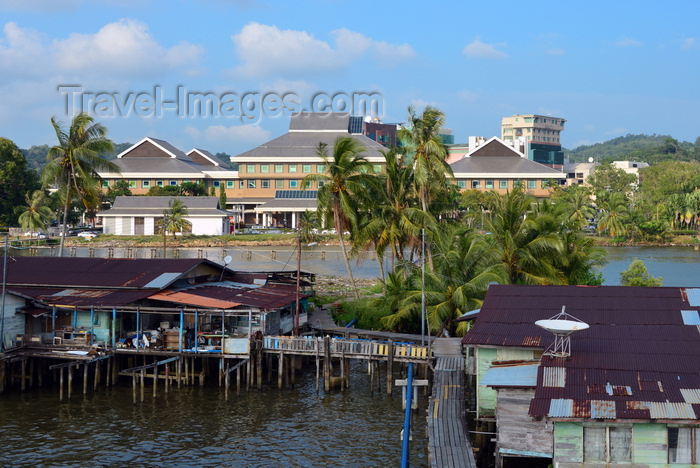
[[139, 215]]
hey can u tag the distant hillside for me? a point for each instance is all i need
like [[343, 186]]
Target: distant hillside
[[646, 148]]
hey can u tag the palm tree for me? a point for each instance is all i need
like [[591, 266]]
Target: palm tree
[[344, 187], [35, 215], [527, 242], [173, 219], [73, 163], [577, 200], [464, 267], [614, 210]]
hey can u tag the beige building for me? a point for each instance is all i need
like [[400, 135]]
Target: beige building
[[532, 128]]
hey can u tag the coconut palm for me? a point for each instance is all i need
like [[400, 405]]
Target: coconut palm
[[527, 242], [73, 163], [578, 204], [343, 188], [173, 220], [614, 210], [36, 214], [464, 267]]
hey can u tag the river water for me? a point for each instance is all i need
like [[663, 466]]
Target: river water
[[197, 427]]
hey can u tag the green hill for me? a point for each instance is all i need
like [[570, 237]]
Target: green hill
[[646, 148]]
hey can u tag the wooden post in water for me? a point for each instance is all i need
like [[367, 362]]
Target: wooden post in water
[[142, 384], [97, 375], [60, 385], [342, 373], [238, 380], [155, 379], [187, 374], [85, 378], [23, 367], [389, 367], [292, 370], [258, 363], [280, 371], [133, 385], [327, 364], [178, 373], [70, 381], [167, 378]]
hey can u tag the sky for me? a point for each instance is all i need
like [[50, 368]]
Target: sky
[[144, 67]]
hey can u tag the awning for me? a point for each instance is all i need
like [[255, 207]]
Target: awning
[[193, 299], [35, 311]]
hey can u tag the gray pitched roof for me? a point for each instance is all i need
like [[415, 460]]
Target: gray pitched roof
[[315, 121], [304, 144], [158, 165], [496, 157], [154, 206]]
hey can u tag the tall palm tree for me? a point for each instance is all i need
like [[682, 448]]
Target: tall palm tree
[[36, 214], [73, 163], [428, 154], [614, 210], [343, 189], [578, 204]]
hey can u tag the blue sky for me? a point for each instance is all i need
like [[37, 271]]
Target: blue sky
[[608, 68]]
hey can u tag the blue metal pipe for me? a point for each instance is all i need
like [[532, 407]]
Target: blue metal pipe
[[407, 417]]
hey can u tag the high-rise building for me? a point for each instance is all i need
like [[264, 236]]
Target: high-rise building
[[538, 136]]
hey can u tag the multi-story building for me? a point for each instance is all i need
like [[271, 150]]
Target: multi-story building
[[538, 136]]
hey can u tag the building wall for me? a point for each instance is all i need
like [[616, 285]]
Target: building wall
[[13, 322], [649, 446], [517, 431], [100, 326], [488, 185]]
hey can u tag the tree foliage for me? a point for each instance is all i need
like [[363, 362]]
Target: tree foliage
[[15, 181], [637, 275]]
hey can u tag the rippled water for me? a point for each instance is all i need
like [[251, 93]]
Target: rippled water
[[197, 427]]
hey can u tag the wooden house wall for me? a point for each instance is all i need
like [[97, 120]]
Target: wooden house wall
[[14, 323], [485, 396], [649, 446], [516, 429]]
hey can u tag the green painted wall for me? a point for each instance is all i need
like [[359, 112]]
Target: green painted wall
[[485, 396], [568, 442], [649, 444]]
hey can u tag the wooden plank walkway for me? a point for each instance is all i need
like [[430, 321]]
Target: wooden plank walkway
[[448, 444]]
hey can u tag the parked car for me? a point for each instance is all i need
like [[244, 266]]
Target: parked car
[[87, 235]]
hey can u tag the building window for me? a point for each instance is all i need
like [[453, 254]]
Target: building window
[[377, 168], [105, 184], [320, 183], [145, 184], [132, 184], [531, 184], [461, 183], [292, 168], [293, 184], [251, 183], [173, 183], [279, 184], [476, 184], [306, 168], [321, 168], [489, 184], [607, 444], [682, 445], [265, 168], [250, 168], [159, 183], [241, 184], [217, 184], [265, 183], [279, 168], [229, 184], [503, 184]]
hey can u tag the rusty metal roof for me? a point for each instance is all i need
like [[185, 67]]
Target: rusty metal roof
[[639, 359], [99, 272], [81, 298]]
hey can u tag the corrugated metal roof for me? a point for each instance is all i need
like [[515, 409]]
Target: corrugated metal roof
[[181, 297], [163, 280], [638, 359], [82, 298], [521, 375]]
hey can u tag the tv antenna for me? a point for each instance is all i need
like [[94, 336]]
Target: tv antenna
[[562, 326]]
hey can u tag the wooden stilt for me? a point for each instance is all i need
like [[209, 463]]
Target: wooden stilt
[[109, 371], [85, 378], [97, 375], [292, 370], [342, 373], [187, 372], [269, 367], [60, 385], [390, 367], [23, 366], [143, 384], [226, 383], [258, 363], [179, 373], [238, 381], [70, 381], [280, 371], [133, 385], [155, 380], [327, 364]]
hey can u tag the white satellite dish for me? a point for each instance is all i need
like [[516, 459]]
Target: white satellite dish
[[227, 259], [562, 326], [590, 159]]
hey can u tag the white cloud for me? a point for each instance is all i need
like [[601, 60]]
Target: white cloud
[[233, 135], [122, 48], [689, 43], [628, 42], [480, 50], [266, 50]]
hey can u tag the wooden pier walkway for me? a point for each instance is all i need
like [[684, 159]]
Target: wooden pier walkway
[[448, 444]]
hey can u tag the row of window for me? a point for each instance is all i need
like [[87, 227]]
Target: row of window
[[230, 184], [503, 184], [614, 444], [291, 168]]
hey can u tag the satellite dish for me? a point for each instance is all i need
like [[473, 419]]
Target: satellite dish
[[561, 327], [590, 159], [227, 259]]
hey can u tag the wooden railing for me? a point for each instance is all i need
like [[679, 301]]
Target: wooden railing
[[350, 348]]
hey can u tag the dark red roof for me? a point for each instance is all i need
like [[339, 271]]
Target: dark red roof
[[82, 298], [638, 358], [97, 272], [265, 297]]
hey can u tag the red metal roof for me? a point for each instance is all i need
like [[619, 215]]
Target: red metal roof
[[638, 359], [265, 297], [96, 272], [82, 298]]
